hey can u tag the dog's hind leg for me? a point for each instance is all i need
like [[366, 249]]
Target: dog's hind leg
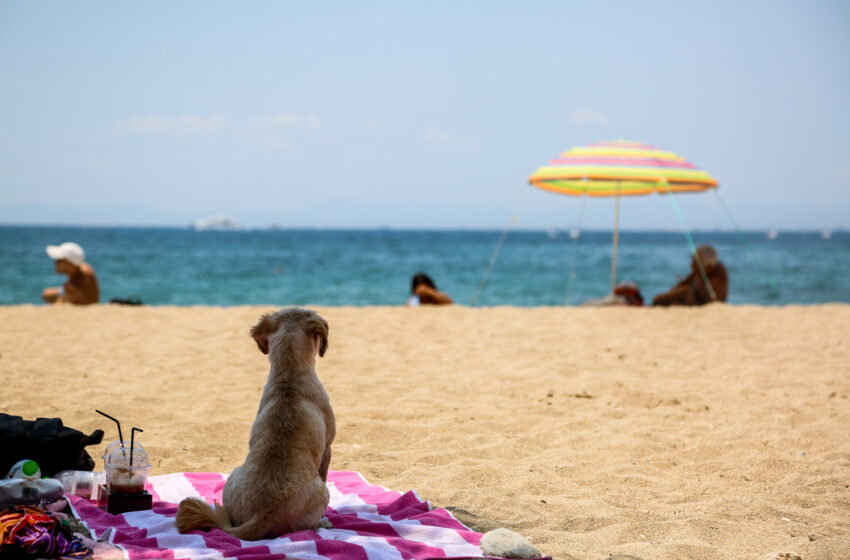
[[256, 528], [317, 506]]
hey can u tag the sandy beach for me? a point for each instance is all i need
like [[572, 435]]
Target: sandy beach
[[712, 433]]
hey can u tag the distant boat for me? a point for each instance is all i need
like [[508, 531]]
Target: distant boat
[[575, 233], [219, 222], [772, 234], [826, 233]]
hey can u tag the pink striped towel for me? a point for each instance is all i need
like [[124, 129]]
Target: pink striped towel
[[369, 523]]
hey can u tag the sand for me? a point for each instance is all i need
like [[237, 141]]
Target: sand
[[713, 433]]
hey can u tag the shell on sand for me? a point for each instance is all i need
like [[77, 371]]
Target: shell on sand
[[504, 543]]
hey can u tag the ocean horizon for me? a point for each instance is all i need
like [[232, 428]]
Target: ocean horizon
[[163, 265], [275, 227]]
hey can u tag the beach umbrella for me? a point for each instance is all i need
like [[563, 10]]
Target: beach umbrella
[[616, 169]]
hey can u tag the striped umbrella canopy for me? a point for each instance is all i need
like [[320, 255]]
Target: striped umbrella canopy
[[620, 168]]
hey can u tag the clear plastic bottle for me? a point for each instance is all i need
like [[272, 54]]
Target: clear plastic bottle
[[84, 484]]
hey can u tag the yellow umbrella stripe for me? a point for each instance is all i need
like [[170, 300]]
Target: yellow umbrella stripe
[[621, 153], [614, 188], [650, 174]]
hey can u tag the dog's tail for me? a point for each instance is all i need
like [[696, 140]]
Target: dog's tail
[[194, 513]]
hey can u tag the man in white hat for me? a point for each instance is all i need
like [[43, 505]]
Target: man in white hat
[[81, 287]]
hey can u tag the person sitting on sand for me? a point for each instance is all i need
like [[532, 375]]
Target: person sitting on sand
[[424, 291], [693, 290], [81, 287]]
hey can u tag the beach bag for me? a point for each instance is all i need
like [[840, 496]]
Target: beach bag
[[46, 441]]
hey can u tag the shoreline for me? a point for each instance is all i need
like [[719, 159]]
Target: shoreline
[[714, 432]]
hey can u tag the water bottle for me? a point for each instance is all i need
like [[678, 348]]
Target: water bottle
[[84, 484], [23, 486]]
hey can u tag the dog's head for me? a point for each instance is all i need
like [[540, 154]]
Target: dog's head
[[294, 327]]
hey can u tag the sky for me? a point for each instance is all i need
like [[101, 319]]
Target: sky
[[417, 114]]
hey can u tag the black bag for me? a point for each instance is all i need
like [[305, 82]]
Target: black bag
[[46, 441]]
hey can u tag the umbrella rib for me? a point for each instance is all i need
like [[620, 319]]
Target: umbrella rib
[[492, 262]]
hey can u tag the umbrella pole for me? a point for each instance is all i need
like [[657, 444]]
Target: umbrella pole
[[575, 250], [616, 240]]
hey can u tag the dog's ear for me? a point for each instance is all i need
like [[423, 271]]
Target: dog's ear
[[262, 330], [319, 327]]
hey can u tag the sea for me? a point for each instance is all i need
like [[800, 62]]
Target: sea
[[183, 267]]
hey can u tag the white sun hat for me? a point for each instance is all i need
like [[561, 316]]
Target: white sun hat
[[71, 252]]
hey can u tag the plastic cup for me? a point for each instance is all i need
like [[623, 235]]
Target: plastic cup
[[121, 476], [110, 448]]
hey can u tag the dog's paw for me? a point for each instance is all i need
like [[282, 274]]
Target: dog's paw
[[324, 523]]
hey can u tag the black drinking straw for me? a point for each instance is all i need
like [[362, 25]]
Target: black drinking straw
[[133, 431], [120, 437]]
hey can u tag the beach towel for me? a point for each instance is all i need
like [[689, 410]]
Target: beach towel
[[369, 523]]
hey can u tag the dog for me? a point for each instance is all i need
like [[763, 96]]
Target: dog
[[280, 488]]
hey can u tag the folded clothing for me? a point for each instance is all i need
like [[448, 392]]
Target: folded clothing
[[33, 532]]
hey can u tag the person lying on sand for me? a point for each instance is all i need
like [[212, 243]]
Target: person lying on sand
[[424, 291], [693, 290], [81, 287]]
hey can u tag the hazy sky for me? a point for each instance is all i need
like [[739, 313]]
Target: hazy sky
[[416, 114]]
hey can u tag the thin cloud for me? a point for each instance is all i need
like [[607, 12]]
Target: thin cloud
[[184, 123], [436, 137], [589, 116], [841, 172], [291, 120], [373, 125]]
